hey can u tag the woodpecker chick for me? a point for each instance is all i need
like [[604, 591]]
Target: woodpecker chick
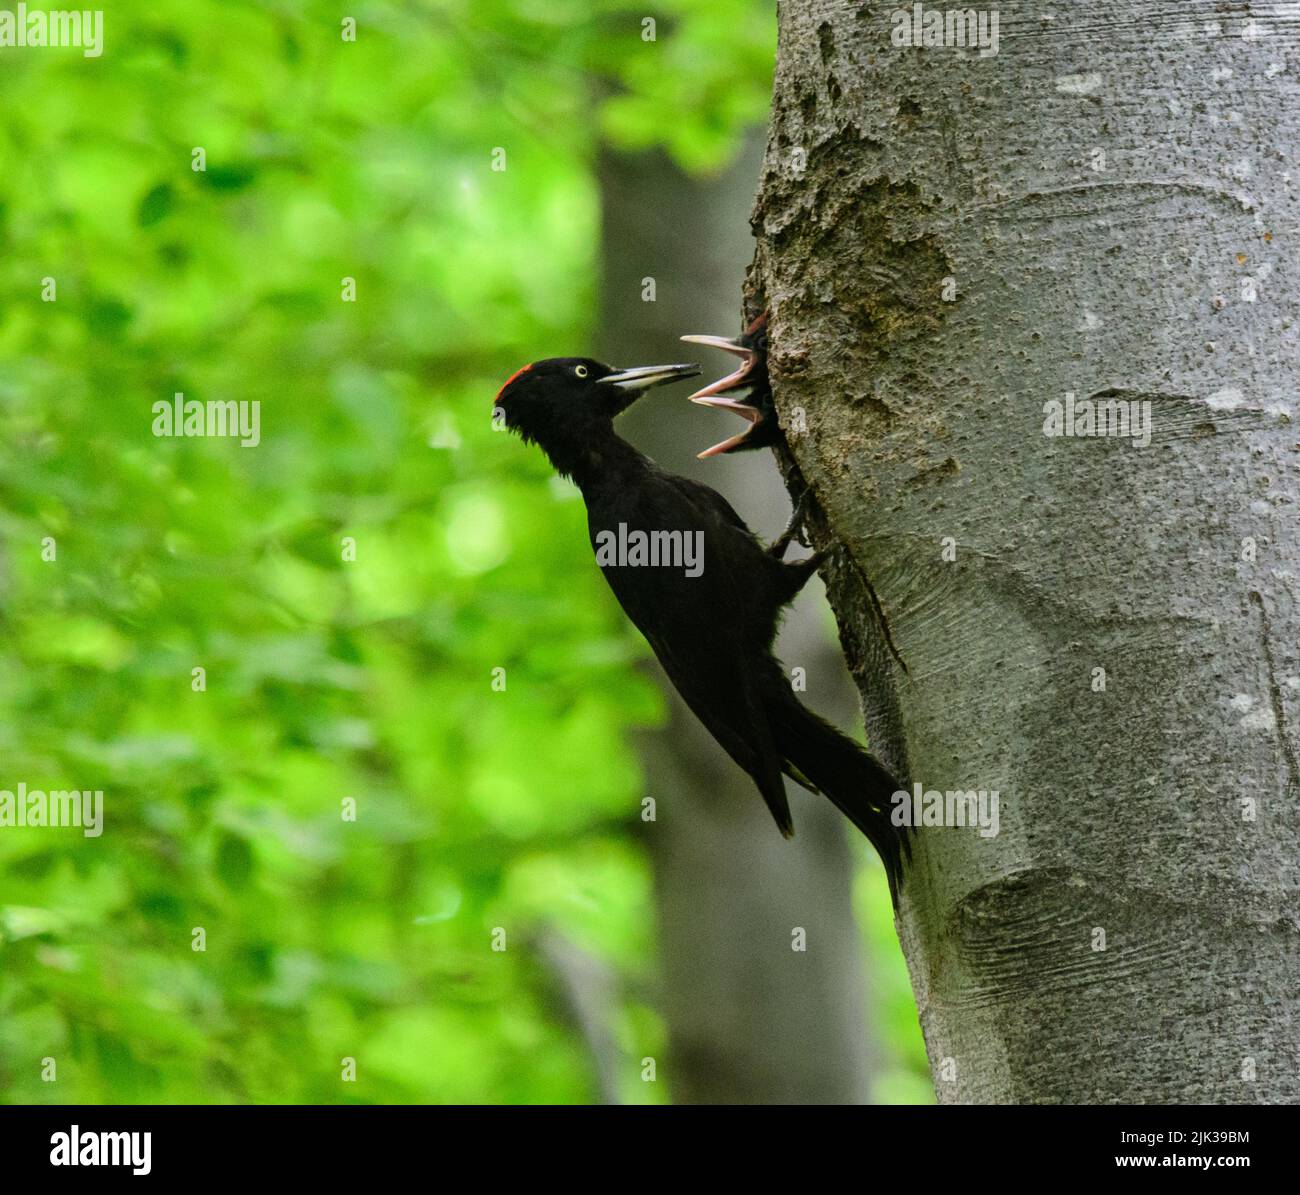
[[746, 392]]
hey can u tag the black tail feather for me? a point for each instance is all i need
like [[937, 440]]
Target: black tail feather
[[858, 785]]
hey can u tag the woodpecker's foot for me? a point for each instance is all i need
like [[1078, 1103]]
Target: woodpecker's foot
[[800, 571], [794, 529]]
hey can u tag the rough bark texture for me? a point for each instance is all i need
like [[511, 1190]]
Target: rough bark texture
[[750, 1019], [1108, 192]]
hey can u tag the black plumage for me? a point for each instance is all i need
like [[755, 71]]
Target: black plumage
[[713, 632]]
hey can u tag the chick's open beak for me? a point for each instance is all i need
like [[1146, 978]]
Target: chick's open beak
[[736, 385], [731, 393]]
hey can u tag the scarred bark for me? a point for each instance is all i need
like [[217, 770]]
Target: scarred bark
[[948, 242]]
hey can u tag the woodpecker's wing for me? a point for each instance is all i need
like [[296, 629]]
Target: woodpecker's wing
[[698, 626], [706, 497], [732, 713]]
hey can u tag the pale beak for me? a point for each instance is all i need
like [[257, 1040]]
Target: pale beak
[[643, 377]]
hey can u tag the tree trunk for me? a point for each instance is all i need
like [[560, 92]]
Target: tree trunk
[[948, 242], [750, 1019]]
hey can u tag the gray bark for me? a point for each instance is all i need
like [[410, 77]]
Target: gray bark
[[750, 1020], [1110, 195]]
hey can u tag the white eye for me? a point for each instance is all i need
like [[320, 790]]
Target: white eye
[[580, 370]]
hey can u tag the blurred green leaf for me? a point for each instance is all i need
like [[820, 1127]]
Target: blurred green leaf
[[306, 768]]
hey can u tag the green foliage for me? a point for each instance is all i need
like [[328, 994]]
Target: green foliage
[[326, 679]]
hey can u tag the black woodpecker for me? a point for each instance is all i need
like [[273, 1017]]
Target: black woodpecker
[[701, 588]]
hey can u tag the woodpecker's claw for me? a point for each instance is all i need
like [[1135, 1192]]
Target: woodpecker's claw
[[794, 531]]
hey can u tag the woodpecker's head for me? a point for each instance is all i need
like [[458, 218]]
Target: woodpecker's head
[[571, 398], [746, 392]]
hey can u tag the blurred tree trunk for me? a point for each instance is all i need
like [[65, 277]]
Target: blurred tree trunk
[[947, 243], [750, 1019]]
